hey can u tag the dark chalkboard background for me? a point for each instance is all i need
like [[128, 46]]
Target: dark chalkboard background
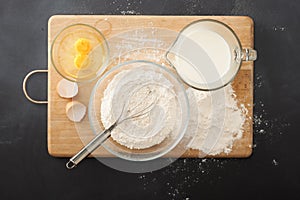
[[28, 172]]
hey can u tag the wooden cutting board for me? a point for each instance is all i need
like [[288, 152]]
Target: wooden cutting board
[[63, 139]]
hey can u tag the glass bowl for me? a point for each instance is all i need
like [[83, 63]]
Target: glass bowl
[[80, 65], [180, 119]]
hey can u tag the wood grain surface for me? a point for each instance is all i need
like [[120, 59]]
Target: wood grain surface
[[63, 135]]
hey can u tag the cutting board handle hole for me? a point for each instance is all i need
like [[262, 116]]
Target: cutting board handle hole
[[104, 26]]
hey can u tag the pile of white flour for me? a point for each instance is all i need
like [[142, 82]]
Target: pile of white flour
[[216, 120], [152, 128]]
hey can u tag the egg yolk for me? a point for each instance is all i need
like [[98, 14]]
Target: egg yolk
[[81, 61], [83, 46]]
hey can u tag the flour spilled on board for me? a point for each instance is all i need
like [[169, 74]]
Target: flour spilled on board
[[208, 113]]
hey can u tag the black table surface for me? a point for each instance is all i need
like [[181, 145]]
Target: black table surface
[[28, 172]]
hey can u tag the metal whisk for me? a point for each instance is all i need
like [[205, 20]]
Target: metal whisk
[[126, 114]]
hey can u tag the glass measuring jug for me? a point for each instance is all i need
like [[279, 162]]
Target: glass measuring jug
[[207, 54]]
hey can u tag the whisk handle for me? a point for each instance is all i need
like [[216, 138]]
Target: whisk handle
[[89, 148]]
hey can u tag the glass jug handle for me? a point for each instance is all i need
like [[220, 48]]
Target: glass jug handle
[[248, 54]]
